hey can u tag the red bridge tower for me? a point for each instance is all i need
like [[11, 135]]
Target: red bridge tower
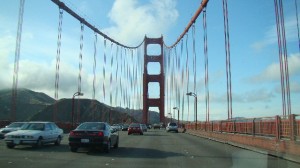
[[159, 78]]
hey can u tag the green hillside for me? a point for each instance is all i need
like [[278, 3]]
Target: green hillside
[[28, 103]]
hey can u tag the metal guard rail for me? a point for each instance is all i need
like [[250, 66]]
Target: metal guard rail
[[279, 127]]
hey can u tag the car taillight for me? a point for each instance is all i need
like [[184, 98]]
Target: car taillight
[[72, 133], [100, 134]]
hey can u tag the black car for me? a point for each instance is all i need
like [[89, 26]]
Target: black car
[[125, 127], [93, 135]]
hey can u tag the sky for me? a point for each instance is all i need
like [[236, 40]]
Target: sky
[[253, 48]]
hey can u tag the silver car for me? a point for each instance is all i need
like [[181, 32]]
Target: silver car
[[14, 126], [172, 127], [35, 134]]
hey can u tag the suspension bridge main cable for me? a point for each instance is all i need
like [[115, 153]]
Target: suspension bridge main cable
[[192, 21], [83, 21]]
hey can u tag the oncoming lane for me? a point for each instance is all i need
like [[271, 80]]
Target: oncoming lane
[[156, 148]]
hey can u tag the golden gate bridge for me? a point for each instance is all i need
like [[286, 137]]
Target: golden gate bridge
[[173, 80]]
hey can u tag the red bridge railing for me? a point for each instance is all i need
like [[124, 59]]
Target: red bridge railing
[[278, 127]]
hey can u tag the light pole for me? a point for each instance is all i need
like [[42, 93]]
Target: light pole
[[195, 96], [75, 94], [176, 108]]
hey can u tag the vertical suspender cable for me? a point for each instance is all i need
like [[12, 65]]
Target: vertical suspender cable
[[187, 73], [206, 65], [57, 63], [283, 94], [110, 77], [16, 63], [103, 70], [228, 66], [286, 66], [297, 24], [80, 69], [194, 65], [116, 77], [182, 81], [95, 66], [94, 79]]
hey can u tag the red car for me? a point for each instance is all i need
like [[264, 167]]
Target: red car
[[135, 128]]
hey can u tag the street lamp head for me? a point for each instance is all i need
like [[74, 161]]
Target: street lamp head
[[77, 94], [175, 108], [189, 93]]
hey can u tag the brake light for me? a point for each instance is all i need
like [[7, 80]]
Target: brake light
[[72, 133], [100, 133]]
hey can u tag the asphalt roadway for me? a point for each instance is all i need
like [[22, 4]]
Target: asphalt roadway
[[154, 149]]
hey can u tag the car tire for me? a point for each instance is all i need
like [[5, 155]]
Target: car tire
[[58, 141], [107, 147], [116, 144], [10, 146], [73, 149], [39, 143], [141, 133]]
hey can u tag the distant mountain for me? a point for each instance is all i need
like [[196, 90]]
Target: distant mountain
[[28, 103], [35, 106], [90, 110], [138, 114]]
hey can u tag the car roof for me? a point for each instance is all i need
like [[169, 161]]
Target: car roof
[[90, 122], [44, 122], [20, 122]]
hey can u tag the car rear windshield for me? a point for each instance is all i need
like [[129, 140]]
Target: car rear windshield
[[91, 126], [134, 125], [172, 124]]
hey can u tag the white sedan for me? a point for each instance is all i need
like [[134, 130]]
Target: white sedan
[[35, 134]]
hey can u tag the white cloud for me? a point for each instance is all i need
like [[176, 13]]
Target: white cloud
[[272, 72], [133, 21], [271, 34], [6, 70]]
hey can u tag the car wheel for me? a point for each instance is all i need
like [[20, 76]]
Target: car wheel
[[73, 149], [58, 141], [116, 144], [141, 133], [107, 147], [10, 146], [39, 143]]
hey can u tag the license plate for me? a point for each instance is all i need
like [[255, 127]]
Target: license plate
[[85, 140]]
